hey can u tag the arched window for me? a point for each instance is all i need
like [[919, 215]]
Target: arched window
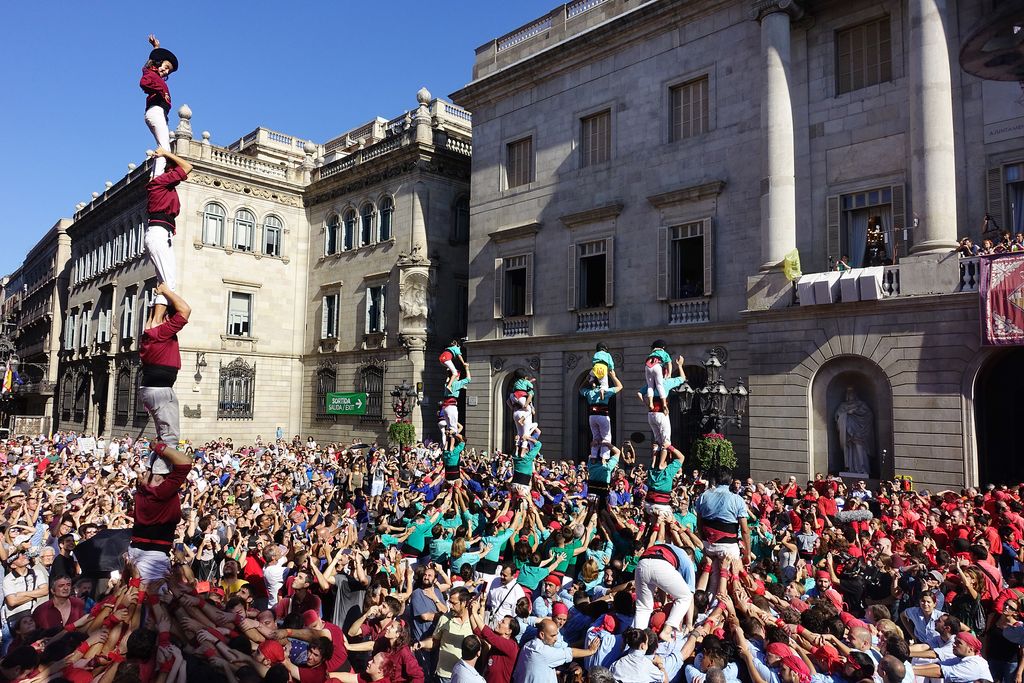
[[326, 382], [371, 382], [273, 231], [67, 397], [245, 226], [213, 224], [141, 415], [122, 401], [460, 221], [81, 398], [237, 390], [387, 210], [331, 235], [349, 236], [366, 224]]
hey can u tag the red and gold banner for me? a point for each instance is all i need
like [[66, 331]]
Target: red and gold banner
[[1002, 299]]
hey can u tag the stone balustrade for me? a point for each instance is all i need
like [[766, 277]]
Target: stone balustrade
[[689, 311], [248, 164], [515, 327], [970, 274], [595, 320]]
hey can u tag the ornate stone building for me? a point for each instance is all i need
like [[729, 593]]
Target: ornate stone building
[[33, 314], [309, 267], [642, 169]]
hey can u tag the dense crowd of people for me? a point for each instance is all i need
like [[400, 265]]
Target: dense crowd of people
[[307, 562]]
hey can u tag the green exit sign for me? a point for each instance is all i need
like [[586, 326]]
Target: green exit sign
[[346, 404]]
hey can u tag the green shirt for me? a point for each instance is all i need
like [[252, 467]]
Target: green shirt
[[566, 553], [389, 540], [451, 458], [457, 386], [440, 548], [497, 543], [530, 576], [418, 538], [593, 396], [601, 472], [661, 480], [524, 464], [661, 355]]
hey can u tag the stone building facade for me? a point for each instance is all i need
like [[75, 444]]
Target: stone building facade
[[33, 314], [641, 170], [264, 238]]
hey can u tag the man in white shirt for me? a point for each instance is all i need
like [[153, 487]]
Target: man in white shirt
[[966, 666], [273, 572], [503, 595], [464, 670]]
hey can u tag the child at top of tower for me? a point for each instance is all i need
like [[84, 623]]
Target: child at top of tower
[[160, 65]]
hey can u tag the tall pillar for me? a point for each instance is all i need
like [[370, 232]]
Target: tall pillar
[[932, 156], [778, 174]]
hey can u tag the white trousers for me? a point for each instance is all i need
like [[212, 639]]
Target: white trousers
[[156, 121], [450, 364], [601, 431], [523, 422], [653, 573], [661, 428], [161, 254], [655, 381], [152, 564], [451, 417], [718, 552]]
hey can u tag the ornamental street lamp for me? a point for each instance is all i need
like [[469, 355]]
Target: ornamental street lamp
[[403, 398], [715, 398]]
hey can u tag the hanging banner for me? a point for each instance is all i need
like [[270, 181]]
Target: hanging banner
[[1002, 299]]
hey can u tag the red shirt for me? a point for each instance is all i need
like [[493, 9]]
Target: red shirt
[[158, 510], [162, 193], [159, 345], [502, 658], [48, 616], [155, 87]]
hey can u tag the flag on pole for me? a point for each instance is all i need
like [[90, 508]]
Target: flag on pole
[[8, 385]]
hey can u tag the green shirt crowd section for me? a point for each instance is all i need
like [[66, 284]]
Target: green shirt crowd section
[[346, 404]]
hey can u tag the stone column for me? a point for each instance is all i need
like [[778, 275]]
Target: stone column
[[778, 175], [418, 237], [932, 157]]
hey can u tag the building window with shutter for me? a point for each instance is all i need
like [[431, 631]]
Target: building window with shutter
[[273, 229], [237, 390], [81, 398], [366, 224], [1013, 178], [460, 221], [213, 225], [348, 237], [326, 383], [387, 212], [376, 298], [514, 283], [863, 56], [239, 314], [595, 139], [519, 163], [371, 382], [245, 226], [686, 260], [329, 326], [690, 109], [332, 235], [592, 274], [868, 228]]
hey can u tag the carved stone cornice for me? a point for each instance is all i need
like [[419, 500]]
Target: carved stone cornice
[[761, 8], [692, 193], [246, 189], [595, 215], [514, 232]]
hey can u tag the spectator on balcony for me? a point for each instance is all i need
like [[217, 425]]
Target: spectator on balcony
[[843, 264], [967, 248], [987, 248], [1018, 242]]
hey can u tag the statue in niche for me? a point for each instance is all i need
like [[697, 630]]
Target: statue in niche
[[856, 425], [414, 303]]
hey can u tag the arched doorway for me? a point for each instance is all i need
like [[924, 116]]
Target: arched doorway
[[508, 424], [581, 444], [996, 411], [686, 427]]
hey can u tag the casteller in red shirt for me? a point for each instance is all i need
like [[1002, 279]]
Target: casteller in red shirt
[[159, 352], [162, 203]]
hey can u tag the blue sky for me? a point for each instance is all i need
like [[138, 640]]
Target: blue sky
[[71, 116]]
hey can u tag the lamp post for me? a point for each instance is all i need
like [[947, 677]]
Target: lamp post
[[403, 398], [719, 406]]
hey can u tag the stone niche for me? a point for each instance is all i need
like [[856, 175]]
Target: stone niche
[[828, 393]]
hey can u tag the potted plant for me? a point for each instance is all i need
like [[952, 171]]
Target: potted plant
[[402, 432], [714, 450]]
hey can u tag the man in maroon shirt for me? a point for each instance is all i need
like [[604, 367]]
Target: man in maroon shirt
[[502, 638], [162, 209], [161, 360], [61, 609], [158, 511]]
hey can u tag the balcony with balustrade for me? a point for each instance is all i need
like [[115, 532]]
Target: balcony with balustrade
[[886, 282], [560, 24]]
